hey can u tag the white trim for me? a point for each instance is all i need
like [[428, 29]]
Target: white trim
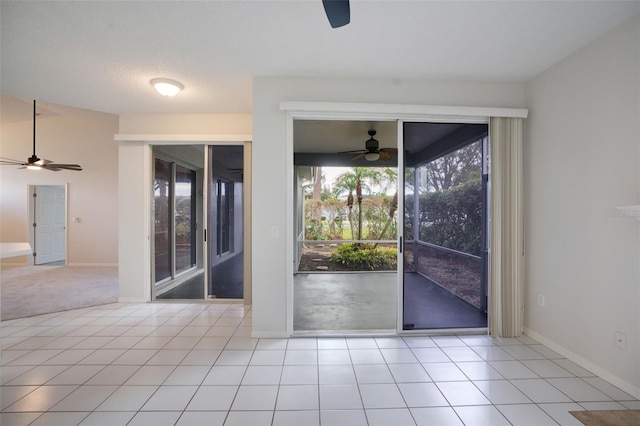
[[93, 264], [132, 300], [399, 111], [586, 364], [270, 335], [289, 231], [178, 139], [400, 170], [366, 112]]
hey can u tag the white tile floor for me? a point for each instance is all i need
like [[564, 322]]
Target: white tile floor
[[196, 364]]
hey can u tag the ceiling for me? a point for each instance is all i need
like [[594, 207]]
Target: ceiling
[[100, 55], [324, 142]]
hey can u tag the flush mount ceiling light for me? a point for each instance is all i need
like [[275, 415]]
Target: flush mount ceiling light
[[166, 86]]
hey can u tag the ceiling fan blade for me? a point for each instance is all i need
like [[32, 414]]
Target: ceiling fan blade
[[56, 166], [389, 150], [358, 156], [10, 161], [384, 155], [355, 151], [338, 12]]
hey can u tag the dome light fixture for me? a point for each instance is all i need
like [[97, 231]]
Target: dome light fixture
[[372, 156], [166, 86]]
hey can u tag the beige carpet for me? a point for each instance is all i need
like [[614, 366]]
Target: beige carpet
[[608, 417], [36, 290]]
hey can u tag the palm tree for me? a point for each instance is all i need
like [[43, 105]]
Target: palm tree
[[355, 180]]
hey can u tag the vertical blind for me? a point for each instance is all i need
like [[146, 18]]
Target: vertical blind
[[506, 257]]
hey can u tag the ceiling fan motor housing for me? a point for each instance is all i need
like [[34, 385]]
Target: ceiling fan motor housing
[[371, 145]]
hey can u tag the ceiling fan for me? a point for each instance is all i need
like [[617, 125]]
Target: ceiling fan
[[36, 163], [372, 152], [338, 12]]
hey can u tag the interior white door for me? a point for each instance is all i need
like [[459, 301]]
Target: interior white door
[[50, 214]]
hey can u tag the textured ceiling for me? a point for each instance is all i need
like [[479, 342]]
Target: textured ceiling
[[100, 55]]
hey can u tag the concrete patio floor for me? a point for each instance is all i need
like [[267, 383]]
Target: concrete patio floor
[[361, 303]]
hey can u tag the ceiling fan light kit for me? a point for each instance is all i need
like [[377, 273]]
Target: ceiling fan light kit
[[372, 156], [166, 86]]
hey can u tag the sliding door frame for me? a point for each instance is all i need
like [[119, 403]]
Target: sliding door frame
[[401, 225], [366, 112], [174, 273]]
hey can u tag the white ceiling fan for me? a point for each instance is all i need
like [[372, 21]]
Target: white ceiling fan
[[36, 163]]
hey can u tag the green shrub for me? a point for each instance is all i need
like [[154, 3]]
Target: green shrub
[[360, 257], [313, 230]]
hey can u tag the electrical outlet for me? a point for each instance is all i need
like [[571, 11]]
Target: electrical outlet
[[541, 300], [621, 340]]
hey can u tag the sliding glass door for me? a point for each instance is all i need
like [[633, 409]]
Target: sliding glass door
[[177, 175], [162, 207], [198, 207], [226, 222], [444, 281]]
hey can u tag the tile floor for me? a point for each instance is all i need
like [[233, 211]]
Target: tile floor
[[196, 364]]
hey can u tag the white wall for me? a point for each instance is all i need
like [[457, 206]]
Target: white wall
[[134, 176], [270, 206], [582, 158], [74, 136]]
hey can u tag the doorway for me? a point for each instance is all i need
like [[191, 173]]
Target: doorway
[[345, 227], [445, 226], [48, 233], [199, 215], [178, 262], [226, 233]]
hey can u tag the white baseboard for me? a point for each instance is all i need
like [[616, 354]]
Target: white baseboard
[[586, 364], [269, 335], [93, 264], [132, 300]]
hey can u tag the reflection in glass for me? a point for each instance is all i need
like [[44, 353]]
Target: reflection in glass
[[162, 217], [185, 223], [225, 222]]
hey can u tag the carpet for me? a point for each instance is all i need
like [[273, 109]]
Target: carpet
[[608, 417], [35, 290]]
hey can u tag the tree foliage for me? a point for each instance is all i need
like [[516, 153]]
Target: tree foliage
[[455, 168], [451, 218]]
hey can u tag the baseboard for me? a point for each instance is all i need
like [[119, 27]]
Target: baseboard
[[586, 364], [269, 335], [13, 264], [93, 264], [132, 300]]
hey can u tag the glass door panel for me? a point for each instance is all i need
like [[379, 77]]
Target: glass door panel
[[225, 222], [177, 210], [444, 285], [185, 223], [162, 220]]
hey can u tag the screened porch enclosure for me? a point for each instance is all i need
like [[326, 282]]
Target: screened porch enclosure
[[445, 207]]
